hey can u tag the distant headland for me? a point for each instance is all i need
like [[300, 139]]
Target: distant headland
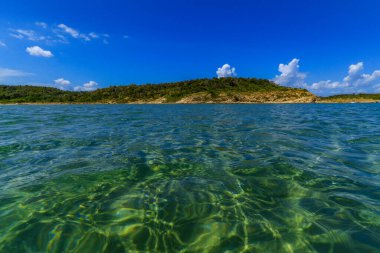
[[199, 91]]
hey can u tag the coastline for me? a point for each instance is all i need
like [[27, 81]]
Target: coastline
[[199, 91], [206, 103]]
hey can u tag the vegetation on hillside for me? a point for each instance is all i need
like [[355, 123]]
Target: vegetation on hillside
[[352, 98], [26, 94], [171, 92]]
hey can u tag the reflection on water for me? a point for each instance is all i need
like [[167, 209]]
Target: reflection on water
[[190, 178]]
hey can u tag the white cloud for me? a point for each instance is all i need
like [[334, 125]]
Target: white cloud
[[41, 24], [290, 75], [6, 73], [78, 35], [105, 38], [90, 86], [37, 51], [355, 68], [61, 33], [42, 34], [62, 82], [26, 34], [16, 35], [226, 71], [19, 33], [377, 88], [2, 44], [355, 78], [326, 85], [93, 35], [354, 82], [74, 33]]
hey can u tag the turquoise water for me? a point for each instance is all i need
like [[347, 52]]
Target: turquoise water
[[190, 178]]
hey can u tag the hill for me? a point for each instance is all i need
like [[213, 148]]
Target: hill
[[351, 98], [224, 90]]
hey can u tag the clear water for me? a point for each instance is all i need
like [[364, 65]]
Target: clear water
[[190, 178]]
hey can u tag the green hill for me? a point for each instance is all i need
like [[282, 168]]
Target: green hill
[[348, 98], [224, 90]]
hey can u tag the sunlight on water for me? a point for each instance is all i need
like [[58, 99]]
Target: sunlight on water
[[190, 178]]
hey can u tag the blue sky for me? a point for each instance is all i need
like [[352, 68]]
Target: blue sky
[[328, 47]]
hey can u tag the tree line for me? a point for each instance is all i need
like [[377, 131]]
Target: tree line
[[131, 93]]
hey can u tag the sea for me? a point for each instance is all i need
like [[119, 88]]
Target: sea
[[190, 178]]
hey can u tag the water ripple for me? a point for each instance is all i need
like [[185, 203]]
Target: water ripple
[[190, 178]]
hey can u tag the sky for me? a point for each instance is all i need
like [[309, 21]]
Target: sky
[[327, 47]]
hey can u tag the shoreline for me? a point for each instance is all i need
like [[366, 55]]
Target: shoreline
[[227, 103]]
